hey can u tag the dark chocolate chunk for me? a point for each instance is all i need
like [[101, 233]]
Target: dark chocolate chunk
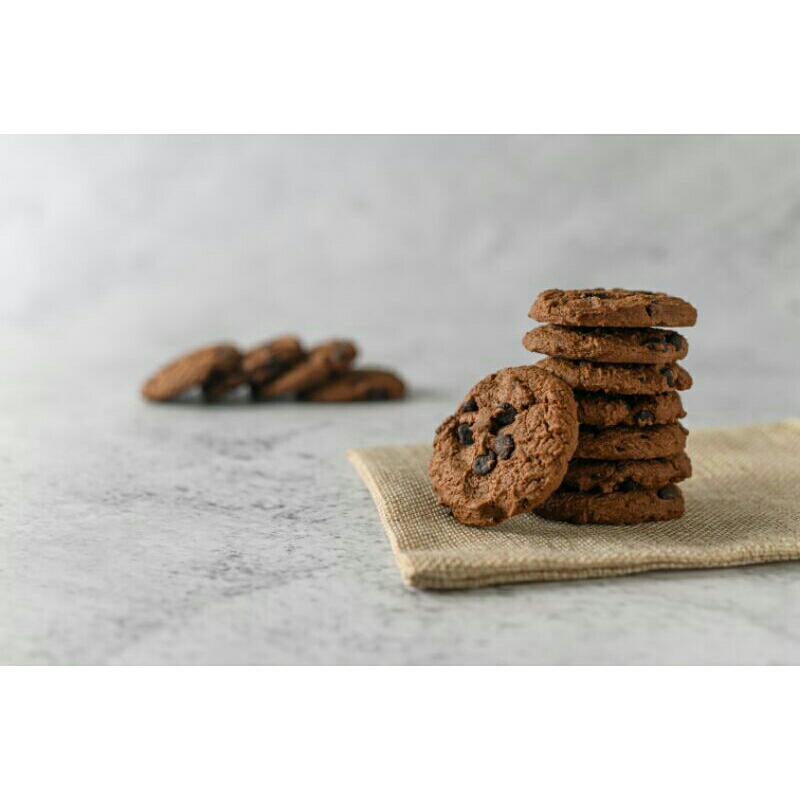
[[628, 485], [503, 417], [464, 434], [676, 340], [470, 405], [644, 416], [484, 464], [668, 492], [669, 375], [503, 446]]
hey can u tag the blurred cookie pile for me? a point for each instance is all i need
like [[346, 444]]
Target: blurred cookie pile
[[625, 375], [280, 368]]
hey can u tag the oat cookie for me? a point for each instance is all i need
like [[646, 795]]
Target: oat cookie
[[610, 345], [622, 443], [619, 308], [608, 476], [359, 384], [210, 367], [601, 410], [614, 508], [618, 378], [506, 448], [325, 361]]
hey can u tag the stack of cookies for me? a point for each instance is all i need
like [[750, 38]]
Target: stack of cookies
[[625, 375], [277, 368]]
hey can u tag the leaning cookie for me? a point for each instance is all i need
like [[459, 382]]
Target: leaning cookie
[[266, 362], [622, 443], [325, 361], [506, 448], [618, 308], [359, 384], [615, 508], [610, 345], [601, 410], [215, 369], [618, 378], [609, 476]]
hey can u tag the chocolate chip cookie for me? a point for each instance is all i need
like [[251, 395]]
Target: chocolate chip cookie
[[325, 361], [621, 443], [618, 378], [608, 476], [266, 362], [618, 308], [614, 508], [215, 369], [506, 448], [359, 384], [610, 345], [601, 410]]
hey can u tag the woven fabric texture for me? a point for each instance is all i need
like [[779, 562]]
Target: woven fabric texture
[[742, 507]]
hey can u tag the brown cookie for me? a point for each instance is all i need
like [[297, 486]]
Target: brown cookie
[[221, 383], [213, 367], [614, 444], [610, 345], [359, 384], [506, 448], [609, 476], [618, 308], [618, 378], [614, 508], [325, 361], [601, 410], [266, 362]]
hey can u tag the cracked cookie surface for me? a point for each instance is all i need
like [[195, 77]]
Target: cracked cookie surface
[[506, 448]]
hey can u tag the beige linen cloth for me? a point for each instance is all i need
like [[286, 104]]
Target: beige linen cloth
[[742, 507]]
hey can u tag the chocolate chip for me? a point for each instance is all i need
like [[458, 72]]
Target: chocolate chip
[[650, 309], [676, 340], [642, 417], [464, 434], [598, 295], [377, 394], [503, 417], [503, 446], [668, 492], [668, 374], [628, 485], [484, 464], [470, 405]]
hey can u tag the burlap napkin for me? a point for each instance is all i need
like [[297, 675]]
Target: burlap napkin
[[742, 507]]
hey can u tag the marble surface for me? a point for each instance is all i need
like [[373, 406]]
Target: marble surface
[[238, 534]]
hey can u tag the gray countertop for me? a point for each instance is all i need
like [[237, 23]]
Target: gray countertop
[[135, 533]]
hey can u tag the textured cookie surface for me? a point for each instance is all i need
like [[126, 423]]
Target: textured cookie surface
[[325, 361], [266, 362], [506, 448], [619, 308], [359, 384], [622, 443], [611, 345], [601, 410], [609, 476], [212, 365], [618, 378], [615, 508]]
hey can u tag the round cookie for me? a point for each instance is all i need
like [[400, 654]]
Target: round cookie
[[359, 384], [613, 444], [266, 362], [618, 308], [615, 508], [210, 365], [601, 410], [611, 345], [618, 378], [609, 476], [506, 448], [325, 361]]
